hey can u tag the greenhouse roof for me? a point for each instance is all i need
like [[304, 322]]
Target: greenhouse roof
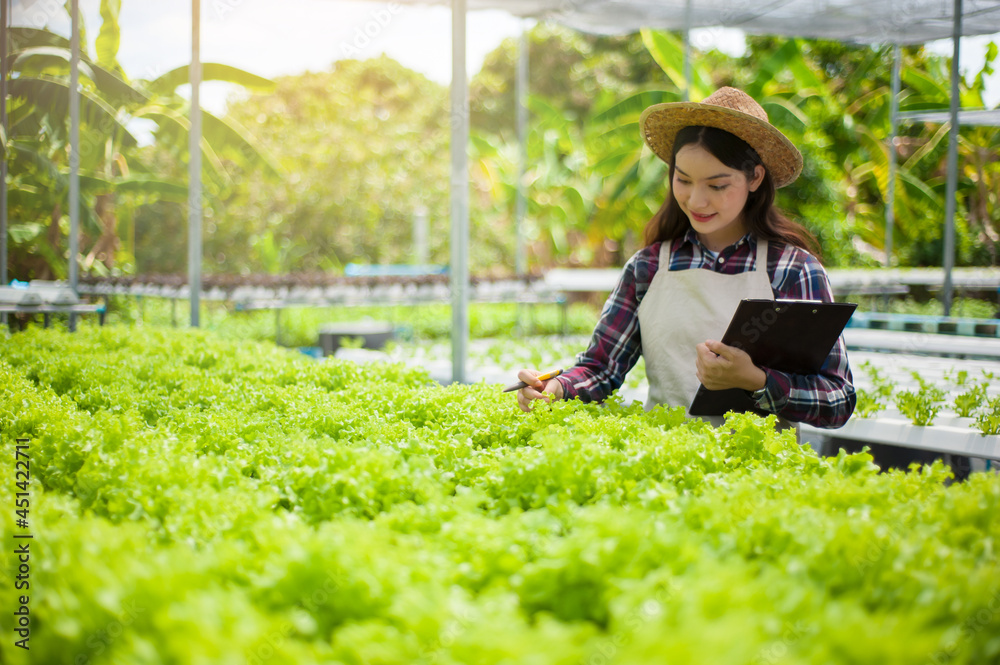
[[864, 21]]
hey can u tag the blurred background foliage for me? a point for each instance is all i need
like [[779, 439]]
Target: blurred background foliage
[[122, 183], [313, 171]]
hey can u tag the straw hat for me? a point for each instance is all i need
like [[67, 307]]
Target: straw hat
[[729, 109]]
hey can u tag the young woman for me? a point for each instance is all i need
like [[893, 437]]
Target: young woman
[[717, 239]]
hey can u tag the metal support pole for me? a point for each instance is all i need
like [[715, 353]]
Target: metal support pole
[[194, 169], [74, 152], [952, 188], [4, 28], [459, 195], [890, 207], [521, 109], [687, 51], [421, 230]]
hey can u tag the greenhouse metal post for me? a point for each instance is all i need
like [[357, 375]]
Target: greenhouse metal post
[[521, 111], [459, 195], [520, 200], [890, 208], [194, 169], [688, 76], [74, 151], [952, 188], [3, 163]]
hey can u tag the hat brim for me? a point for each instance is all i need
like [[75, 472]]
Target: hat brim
[[660, 123]]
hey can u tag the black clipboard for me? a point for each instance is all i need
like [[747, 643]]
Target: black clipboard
[[792, 336]]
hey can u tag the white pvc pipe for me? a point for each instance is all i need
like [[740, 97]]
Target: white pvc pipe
[[952, 188], [459, 195], [74, 151], [194, 168], [890, 208]]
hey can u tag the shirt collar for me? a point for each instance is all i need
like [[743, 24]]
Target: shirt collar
[[690, 236]]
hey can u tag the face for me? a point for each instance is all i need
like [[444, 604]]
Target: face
[[712, 195]]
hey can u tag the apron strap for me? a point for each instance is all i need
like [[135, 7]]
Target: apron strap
[[761, 260], [665, 251]]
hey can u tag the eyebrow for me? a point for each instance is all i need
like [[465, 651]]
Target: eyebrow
[[711, 177]]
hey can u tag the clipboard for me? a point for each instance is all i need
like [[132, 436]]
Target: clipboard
[[793, 336]]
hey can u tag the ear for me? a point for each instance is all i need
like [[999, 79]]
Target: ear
[[758, 177]]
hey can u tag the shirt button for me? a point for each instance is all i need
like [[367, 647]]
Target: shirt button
[[721, 260]]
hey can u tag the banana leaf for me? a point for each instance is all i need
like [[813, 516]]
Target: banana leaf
[[178, 125], [668, 52], [55, 62], [109, 37], [23, 38], [632, 106], [164, 190], [32, 153], [210, 71], [51, 96]]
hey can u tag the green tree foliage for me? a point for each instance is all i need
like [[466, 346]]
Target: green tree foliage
[[837, 98], [572, 71], [360, 147], [590, 186], [364, 145], [831, 99]]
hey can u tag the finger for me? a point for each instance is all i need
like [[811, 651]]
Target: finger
[[530, 376], [720, 349], [714, 347], [699, 364], [707, 359], [532, 393], [529, 395], [704, 357]]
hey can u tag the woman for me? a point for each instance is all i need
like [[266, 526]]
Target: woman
[[716, 240]]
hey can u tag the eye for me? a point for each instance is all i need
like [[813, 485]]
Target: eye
[[681, 180], [719, 188]]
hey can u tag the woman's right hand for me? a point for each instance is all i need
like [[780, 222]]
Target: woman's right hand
[[536, 389]]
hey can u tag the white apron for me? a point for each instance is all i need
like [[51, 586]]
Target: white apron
[[682, 309]]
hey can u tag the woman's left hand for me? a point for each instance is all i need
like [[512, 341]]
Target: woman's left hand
[[720, 367]]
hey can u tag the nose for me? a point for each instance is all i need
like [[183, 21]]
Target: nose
[[698, 197]]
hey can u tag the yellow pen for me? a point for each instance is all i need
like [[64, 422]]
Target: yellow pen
[[541, 377]]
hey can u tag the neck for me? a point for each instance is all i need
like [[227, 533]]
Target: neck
[[718, 241]]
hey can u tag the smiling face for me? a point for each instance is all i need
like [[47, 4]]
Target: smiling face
[[712, 195]]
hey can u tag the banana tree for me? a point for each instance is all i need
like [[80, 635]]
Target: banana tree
[[921, 175], [561, 189], [113, 175]]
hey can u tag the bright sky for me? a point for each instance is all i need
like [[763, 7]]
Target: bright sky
[[270, 38]]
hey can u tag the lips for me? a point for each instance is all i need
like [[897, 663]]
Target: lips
[[702, 218]]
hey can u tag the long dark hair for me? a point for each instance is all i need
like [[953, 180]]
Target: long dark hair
[[763, 219]]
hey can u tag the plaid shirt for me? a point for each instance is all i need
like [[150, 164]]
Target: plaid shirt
[[826, 399]]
